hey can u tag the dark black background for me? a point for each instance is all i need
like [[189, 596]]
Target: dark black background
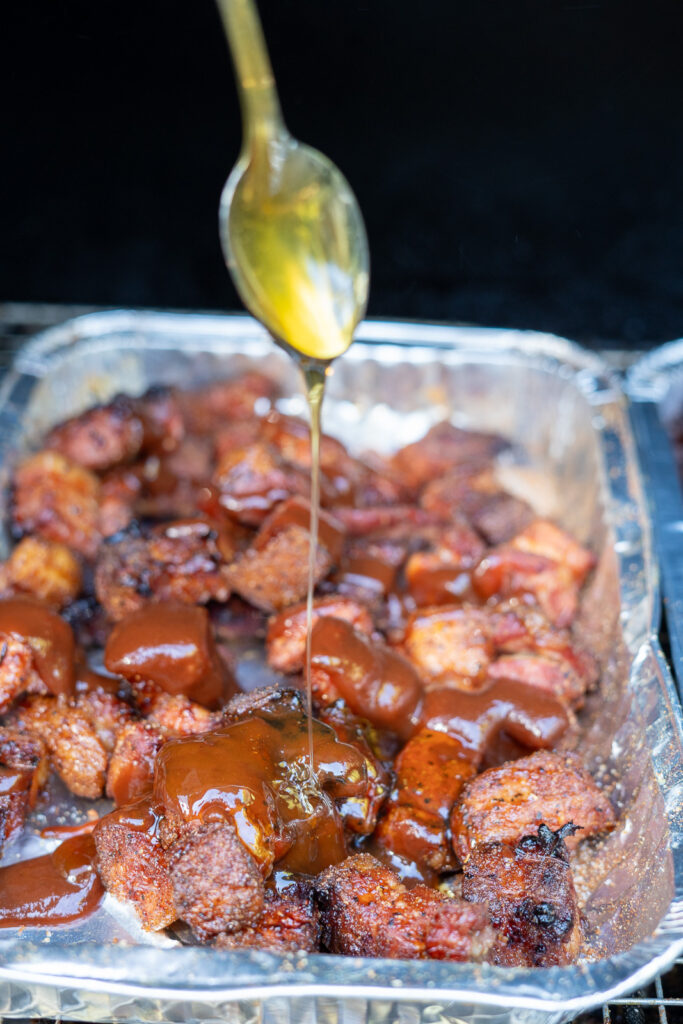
[[517, 163]]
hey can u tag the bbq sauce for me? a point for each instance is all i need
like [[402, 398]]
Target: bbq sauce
[[255, 774], [59, 888], [50, 638]]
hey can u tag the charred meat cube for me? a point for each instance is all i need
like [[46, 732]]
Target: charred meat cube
[[450, 644], [58, 500], [132, 863], [36, 650], [498, 516], [102, 436], [252, 480], [290, 921], [430, 772], [297, 512], [74, 749], [366, 911], [529, 892], [276, 575], [550, 672], [505, 803], [440, 450], [130, 772], [43, 569], [180, 561], [359, 522], [172, 645], [286, 640], [107, 713], [376, 682], [217, 886], [358, 811], [23, 773]]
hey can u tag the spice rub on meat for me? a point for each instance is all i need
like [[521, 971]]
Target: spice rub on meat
[[366, 911], [505, 803], [167, 528]]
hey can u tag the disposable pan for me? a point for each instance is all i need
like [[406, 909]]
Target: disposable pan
[[573, 452]]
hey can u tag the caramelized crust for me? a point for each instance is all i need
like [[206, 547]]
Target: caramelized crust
[[216, 884], [58, 500], [530, 895], [133, 866], [252, 480], [45, 570], [207, 409], [131, 766], [366, 911], [181, 561], [450, 644], [443, 448], [503, 804], [290, 921], [286, 640], [17, 670], [23, 772], [75, 751], [276, 575], [107, 714]]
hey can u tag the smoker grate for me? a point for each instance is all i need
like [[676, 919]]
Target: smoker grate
[[659, 1003]]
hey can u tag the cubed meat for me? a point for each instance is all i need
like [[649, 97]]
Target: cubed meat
[[18, 673], [367, 911], [217, 886], [106, 712], [545, 538], [529, 892], [440, 450], [506, 572], [252, 480], [45, 570], [450, 644], [207, 409], [23, 772], [131, 766], [377, 683], [133, 865], [276, 575], [289, 922], [75, 751], [550, 672], [286, 640], [102, 436], [180, 561], [503, 804], [430, 772], [58, 500]]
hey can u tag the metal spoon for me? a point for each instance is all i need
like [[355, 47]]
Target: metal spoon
[[292, 233]]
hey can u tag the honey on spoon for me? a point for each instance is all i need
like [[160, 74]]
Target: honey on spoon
[[294, 241]]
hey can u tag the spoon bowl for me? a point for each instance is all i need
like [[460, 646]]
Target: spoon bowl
[[291, 230]]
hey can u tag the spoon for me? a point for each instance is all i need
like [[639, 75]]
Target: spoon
[[291, 231]]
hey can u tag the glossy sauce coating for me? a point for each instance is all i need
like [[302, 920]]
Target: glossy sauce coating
[[255, 774], [374, 681], [50, 638], [531, 716], [172, 645], [59, 888]]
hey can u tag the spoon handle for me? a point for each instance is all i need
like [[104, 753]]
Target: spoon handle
[[261, 116]]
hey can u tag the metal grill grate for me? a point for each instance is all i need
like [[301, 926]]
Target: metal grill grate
[[661, 1002]]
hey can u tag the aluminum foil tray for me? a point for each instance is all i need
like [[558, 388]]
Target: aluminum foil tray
[[574, 453], [655, 386]]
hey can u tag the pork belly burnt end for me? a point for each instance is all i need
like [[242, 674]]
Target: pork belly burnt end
[[43, 569], [367, 911], [443, 448], [286, 640], [132, 863], [503, 804], [216, 884], [180, 561], [102, 436], [529, 891], [276, 575], [23, 771], [58, 500], [430, 772], [74, 749], [290, 921], [450, 645], [131, 767]]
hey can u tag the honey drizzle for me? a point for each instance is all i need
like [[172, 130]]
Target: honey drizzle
[[314, 378]]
